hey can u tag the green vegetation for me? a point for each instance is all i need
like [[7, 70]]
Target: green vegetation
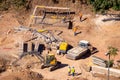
[[17, 4], [109, 63], [112, 52], [102, 5], [98, 5]]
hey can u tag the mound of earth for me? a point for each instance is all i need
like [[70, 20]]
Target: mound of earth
[[3, 64], [25, 75]]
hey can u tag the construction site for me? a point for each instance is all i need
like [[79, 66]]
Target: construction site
[[61, 40]]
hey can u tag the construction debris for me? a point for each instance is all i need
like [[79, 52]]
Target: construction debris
[[46, 37], [110, 19], [50, 15], [23, 75], [99, 61], [21, 28], [3, 64], [47, 40]]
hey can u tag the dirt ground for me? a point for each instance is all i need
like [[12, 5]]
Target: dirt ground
[[99, 34]]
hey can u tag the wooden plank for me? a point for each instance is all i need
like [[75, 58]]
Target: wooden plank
[[59, 13], [38, 16], [63, 8], [50, 7]]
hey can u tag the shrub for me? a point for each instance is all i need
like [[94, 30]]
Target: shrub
[[110, 63], [17, 4], [105, 4]]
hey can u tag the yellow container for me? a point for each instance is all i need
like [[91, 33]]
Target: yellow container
[[41, 30], [63, 46]]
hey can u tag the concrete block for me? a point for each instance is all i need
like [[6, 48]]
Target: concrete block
[[102, 70]]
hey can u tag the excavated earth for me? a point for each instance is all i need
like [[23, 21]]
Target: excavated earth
[[100, 34]]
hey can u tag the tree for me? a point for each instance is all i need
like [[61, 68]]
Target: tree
[[102, 5], [112, 51]]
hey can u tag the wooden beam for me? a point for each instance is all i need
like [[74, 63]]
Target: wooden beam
[[50, 7]]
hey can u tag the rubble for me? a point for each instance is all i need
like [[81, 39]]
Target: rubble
[[3, 64], [47, 38], [23, 75]]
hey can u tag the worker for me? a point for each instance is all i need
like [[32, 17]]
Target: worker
[[75, 30], [57, 47], [69, 70], [58, 52], [80, 15], [73, 71]]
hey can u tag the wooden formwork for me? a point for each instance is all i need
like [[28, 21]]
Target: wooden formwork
[[50, 15]]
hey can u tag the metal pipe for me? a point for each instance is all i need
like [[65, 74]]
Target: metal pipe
[[108, 67]]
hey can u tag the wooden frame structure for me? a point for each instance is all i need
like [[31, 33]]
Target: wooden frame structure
[[57, 11]]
